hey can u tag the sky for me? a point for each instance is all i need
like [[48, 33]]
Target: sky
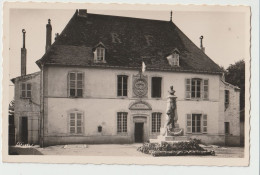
[[224, 32]]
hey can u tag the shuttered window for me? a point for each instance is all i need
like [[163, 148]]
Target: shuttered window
[[122, 85], [196, 88], [26, 90], [121, 122], [196, 123], [75, 84], [76, 123], [156, 122]]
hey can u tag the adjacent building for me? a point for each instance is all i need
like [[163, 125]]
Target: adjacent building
[[105, 79]]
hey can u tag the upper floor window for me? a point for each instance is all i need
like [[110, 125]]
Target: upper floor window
[[156, 122], [99, 53], [122, 85], [226, 99], [156, 87], [173, 58], [26, 90], [76, 84], [197, 88], [197, 123], [76, 123], [121, 122]]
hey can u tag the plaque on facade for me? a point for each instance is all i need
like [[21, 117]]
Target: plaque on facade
[[140, 105], [140, 86]]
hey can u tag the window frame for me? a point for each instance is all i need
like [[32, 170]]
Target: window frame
[[100, 54], [227, 98], [25, 90], [76, 84], [152, 89], [176, 59], [204, 89], [156, 118], [121, 93], [196, 88], [122, 123], [76, 123]]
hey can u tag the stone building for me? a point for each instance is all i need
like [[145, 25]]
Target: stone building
[[92, 89]]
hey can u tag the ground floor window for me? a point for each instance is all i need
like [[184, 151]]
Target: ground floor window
[[76, 123], [156, 122], [121, 122], [197, 123], [227, 128]]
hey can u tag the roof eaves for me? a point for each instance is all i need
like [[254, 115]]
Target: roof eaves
[[137, 68]]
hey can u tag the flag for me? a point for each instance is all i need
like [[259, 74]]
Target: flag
[[143, 67]]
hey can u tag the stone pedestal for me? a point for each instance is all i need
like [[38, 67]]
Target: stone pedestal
[[176, 135], [169, 139]]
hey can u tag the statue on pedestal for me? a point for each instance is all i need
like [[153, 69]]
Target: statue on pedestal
[[171, 127]]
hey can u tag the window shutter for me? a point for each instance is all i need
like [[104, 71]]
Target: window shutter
[[188, 88], [79, 84], [22, 90], [188, 123], [79, 123], [28, 92], [72, 123], [206, 89], [95, 55], [204, 124]]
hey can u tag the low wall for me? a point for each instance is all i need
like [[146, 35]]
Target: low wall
[[63, 140], [209, 139], [232, 140]]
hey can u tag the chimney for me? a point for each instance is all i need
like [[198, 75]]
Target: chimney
[[56, 36], [171, 16], [83, 13], [48, 35], [201, 44], [23, 56]]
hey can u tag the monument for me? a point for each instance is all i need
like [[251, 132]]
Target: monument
[[171, 141], [170, 131]]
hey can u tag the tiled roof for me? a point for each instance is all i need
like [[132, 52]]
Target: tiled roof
[[128, 42], [25, 77]]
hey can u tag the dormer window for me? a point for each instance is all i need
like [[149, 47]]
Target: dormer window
[[99, 53], [173, 58]]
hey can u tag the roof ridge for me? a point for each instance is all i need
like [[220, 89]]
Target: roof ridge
[[94, 14]]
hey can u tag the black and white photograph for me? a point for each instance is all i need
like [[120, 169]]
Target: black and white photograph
[[166, 86]]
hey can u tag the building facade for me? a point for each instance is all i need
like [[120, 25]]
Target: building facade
[[105, 79]]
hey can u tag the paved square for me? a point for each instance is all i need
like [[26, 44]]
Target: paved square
[[112, 150]]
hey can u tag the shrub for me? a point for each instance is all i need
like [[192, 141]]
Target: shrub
[[174, 149]]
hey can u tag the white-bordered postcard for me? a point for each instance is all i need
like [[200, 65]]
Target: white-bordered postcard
[[126, 84]]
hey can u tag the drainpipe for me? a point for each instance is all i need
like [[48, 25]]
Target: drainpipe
[[42, 109]]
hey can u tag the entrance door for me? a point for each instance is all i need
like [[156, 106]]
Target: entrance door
[[24, 130], [139, 132]]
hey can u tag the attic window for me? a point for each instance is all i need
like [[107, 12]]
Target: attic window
[[99, 53], [174, 58]]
